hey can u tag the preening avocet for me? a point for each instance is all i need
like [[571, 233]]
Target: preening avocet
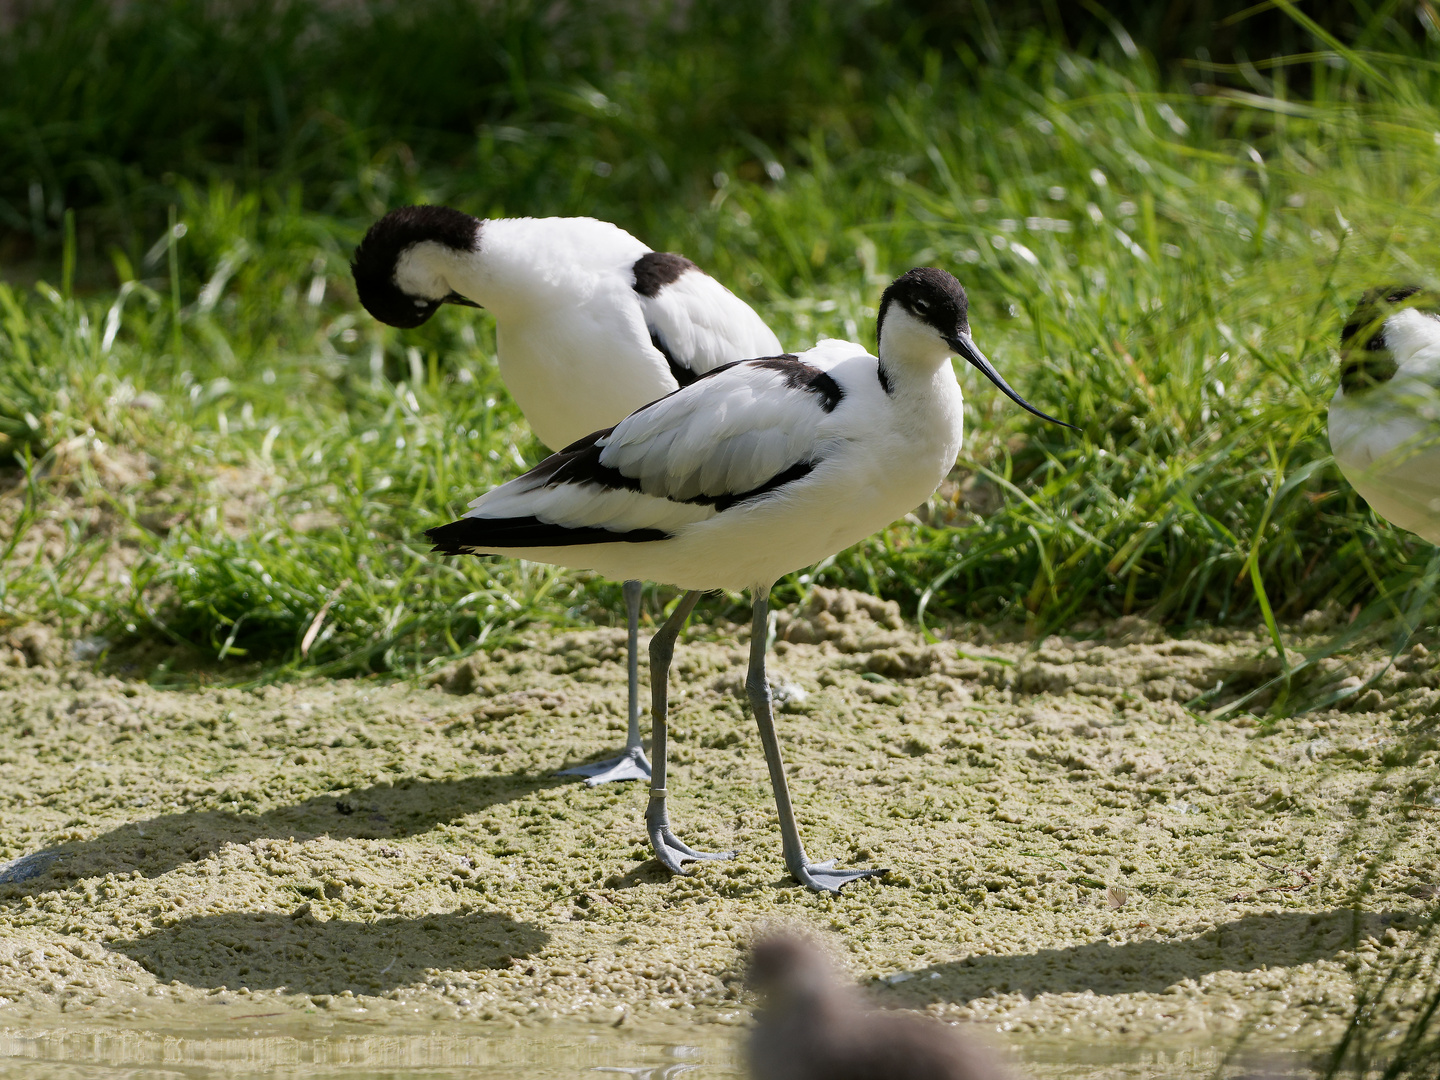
[[590, 325], [758, 468], [1385, 416]]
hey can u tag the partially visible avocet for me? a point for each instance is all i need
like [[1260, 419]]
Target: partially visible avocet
[[1385, 416], [590, 325]]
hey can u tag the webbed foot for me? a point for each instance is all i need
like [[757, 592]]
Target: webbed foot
[[669, 849], [824, 877], [630, 765]]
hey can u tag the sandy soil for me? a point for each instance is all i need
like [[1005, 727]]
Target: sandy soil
[[1073, 854]]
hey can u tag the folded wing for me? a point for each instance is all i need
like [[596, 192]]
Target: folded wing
[[696, 322], [743, 432]]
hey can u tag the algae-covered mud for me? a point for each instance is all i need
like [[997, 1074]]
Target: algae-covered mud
[[1073, 855]]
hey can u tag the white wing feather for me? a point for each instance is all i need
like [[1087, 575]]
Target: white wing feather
[[727, 434], [724, 435], [703, 324], [587, 506], [1386, 441]]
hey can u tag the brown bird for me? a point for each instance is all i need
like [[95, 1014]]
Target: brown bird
[[813, 1026]]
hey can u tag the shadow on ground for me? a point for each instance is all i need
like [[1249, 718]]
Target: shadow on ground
[[1269, 939], [268, 950], [160, 844]]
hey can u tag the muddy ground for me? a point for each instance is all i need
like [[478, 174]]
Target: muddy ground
[[1073, 854]]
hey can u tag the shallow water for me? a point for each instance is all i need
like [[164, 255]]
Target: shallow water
[[290, 1050], [543, 1053]]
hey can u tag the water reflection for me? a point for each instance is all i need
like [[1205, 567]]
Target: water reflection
[[700, 1051], [495, 1054]]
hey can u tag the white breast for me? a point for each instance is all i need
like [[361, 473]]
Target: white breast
[[1386, 441], [582, 368]]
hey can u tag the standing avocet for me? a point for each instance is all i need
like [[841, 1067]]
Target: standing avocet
[[590, 324], [757, 469], [1385, 416]]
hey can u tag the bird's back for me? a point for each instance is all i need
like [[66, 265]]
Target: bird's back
[[580, 348]]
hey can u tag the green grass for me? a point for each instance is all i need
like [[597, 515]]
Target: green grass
[[1163, 263]]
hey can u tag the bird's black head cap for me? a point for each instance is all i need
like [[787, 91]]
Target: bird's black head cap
[[388, 239], [1365, 355], [933, 297]]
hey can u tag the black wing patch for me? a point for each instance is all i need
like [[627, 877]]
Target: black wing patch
[[460, 537], [802, 376], [656, 269], [798, 471], [579, 463], [653, 271]]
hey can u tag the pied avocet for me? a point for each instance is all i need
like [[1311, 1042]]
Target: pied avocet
[[590, 325], [754, 470], [1385, 416]]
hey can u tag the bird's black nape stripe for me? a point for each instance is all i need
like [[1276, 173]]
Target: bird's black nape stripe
[[656, 269], [1370, 314], [408, 225], [930, 295], [682, 374], [802, 376], [461, 537]]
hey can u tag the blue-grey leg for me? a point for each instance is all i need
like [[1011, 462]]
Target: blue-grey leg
[[631, 764], [822, 877], [669, 850]]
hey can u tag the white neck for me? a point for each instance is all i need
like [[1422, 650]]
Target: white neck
[[910, 350], [497, 277], [1413, 338], [524, 265]]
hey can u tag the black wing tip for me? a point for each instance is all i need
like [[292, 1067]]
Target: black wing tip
[[462, 537], [442, 539]]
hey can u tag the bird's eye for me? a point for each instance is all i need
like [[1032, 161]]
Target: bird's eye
[[922, 307]]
